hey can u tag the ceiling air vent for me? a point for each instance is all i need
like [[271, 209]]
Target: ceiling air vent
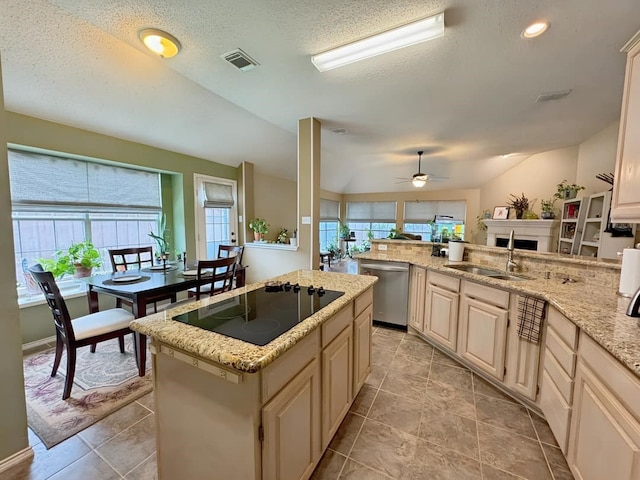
[[551, 96], [240, 60]]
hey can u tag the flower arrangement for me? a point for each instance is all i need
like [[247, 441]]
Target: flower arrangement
[[283, 236], [519, 204], [567, 190]]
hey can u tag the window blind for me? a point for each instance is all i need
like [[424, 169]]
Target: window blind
[[371, 211], [422, 212], [218, 195], [41, 181], [329, 209]]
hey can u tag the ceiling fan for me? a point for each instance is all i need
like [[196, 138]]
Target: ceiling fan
[[420, 179]]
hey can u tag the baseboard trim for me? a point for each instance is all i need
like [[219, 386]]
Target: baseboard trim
[[16, 458], [38, 343]]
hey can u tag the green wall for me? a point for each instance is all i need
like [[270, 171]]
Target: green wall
[[177, 190], [13, 415]]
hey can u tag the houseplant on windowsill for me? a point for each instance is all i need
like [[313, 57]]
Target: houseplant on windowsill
[[79, 260], [259, 227], [162, 250]]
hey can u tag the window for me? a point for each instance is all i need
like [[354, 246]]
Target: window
[[435, 220], [329, 223], [216, 222], [377, 217], [57, 201]]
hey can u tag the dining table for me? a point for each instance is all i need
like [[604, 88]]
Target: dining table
[[141, 288]]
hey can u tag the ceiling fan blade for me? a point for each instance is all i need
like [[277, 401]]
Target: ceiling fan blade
[[407, 180]]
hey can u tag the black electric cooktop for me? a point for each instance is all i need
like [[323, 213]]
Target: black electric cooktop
[[260, 316]]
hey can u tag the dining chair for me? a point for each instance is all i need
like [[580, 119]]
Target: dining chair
[[214, 276], [134, 258], [225, 251], [82, 331]]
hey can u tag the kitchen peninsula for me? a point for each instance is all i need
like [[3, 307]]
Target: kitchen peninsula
[[227, 408]]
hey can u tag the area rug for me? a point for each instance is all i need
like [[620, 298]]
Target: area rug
[[104, 382]]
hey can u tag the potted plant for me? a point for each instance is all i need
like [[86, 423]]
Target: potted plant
[[79, 260], [547, 208], [519, 204], [259, 227], [344, 231], [567, 190], [162, 250], [283, 236], [293, 239], [333, 249]]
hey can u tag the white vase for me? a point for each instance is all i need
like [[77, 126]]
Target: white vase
[[293, 242]]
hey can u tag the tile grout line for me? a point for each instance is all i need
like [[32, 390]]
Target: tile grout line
[[544, 454], [475, 407]]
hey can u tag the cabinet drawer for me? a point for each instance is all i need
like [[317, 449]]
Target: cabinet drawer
[[362, 302], [563, 327], [332, 327], [562, 381], [278, 374], [444, 281], [556, 411], [612, 374], [487, 294], [565, 356]]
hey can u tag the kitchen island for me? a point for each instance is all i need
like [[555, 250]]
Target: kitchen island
[[227, 408]]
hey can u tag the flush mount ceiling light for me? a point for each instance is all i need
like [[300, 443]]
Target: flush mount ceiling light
[[535, 29], [159, 42], [404, 36]]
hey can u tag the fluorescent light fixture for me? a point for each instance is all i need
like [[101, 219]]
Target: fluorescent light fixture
[[404, 36], [535, 29], [159, 42]]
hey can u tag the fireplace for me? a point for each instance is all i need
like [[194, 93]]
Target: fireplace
[[536, 235]]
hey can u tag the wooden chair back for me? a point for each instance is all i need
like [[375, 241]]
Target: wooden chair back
[[226, 251], [55, 301], [131, 258], [217, 273]]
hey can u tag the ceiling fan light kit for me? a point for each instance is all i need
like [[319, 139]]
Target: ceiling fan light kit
[[404, 36]]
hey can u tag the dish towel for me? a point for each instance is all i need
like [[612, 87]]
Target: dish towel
[[530, 317]]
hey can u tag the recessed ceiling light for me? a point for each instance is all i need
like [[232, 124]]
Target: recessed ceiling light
[[159, 42], [535, 29]]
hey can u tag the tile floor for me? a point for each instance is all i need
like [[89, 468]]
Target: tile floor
[[420, 416]]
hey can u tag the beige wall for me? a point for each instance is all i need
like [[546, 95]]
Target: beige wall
[[275, 200], [536, 177], [13, 415], [597, 155]]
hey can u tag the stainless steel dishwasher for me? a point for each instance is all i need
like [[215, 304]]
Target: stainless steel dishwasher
[[390, 292]]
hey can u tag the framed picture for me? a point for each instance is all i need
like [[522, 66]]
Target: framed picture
[[500, 213]]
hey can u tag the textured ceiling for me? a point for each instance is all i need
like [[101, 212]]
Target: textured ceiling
[[464, 98]]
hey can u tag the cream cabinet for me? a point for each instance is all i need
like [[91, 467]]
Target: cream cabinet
[[337, 382], [291, 423], [482, 330], [417, 289], [362, 326], [605, 429], [626, 194], [523, 358], [441, 309]]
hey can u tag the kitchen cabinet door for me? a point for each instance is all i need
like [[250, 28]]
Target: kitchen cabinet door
[[417, 286], [482, 335], [626, 194], [362, 348], [337, 383], [291, 422], [604, 438], [441, 316]]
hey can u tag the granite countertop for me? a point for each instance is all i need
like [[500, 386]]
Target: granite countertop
[[240, 355], [596, 309]]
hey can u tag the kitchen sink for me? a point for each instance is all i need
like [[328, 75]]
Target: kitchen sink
[[486, 272]]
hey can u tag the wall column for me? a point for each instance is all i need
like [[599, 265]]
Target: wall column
[[14, 442], [309, 189]]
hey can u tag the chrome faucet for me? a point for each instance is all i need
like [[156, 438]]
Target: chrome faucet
[[511, 265]]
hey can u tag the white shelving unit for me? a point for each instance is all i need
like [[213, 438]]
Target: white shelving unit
[[571, 226], [594, 241]]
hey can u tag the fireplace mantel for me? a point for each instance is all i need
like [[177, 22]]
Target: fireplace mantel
[[542, 231]]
